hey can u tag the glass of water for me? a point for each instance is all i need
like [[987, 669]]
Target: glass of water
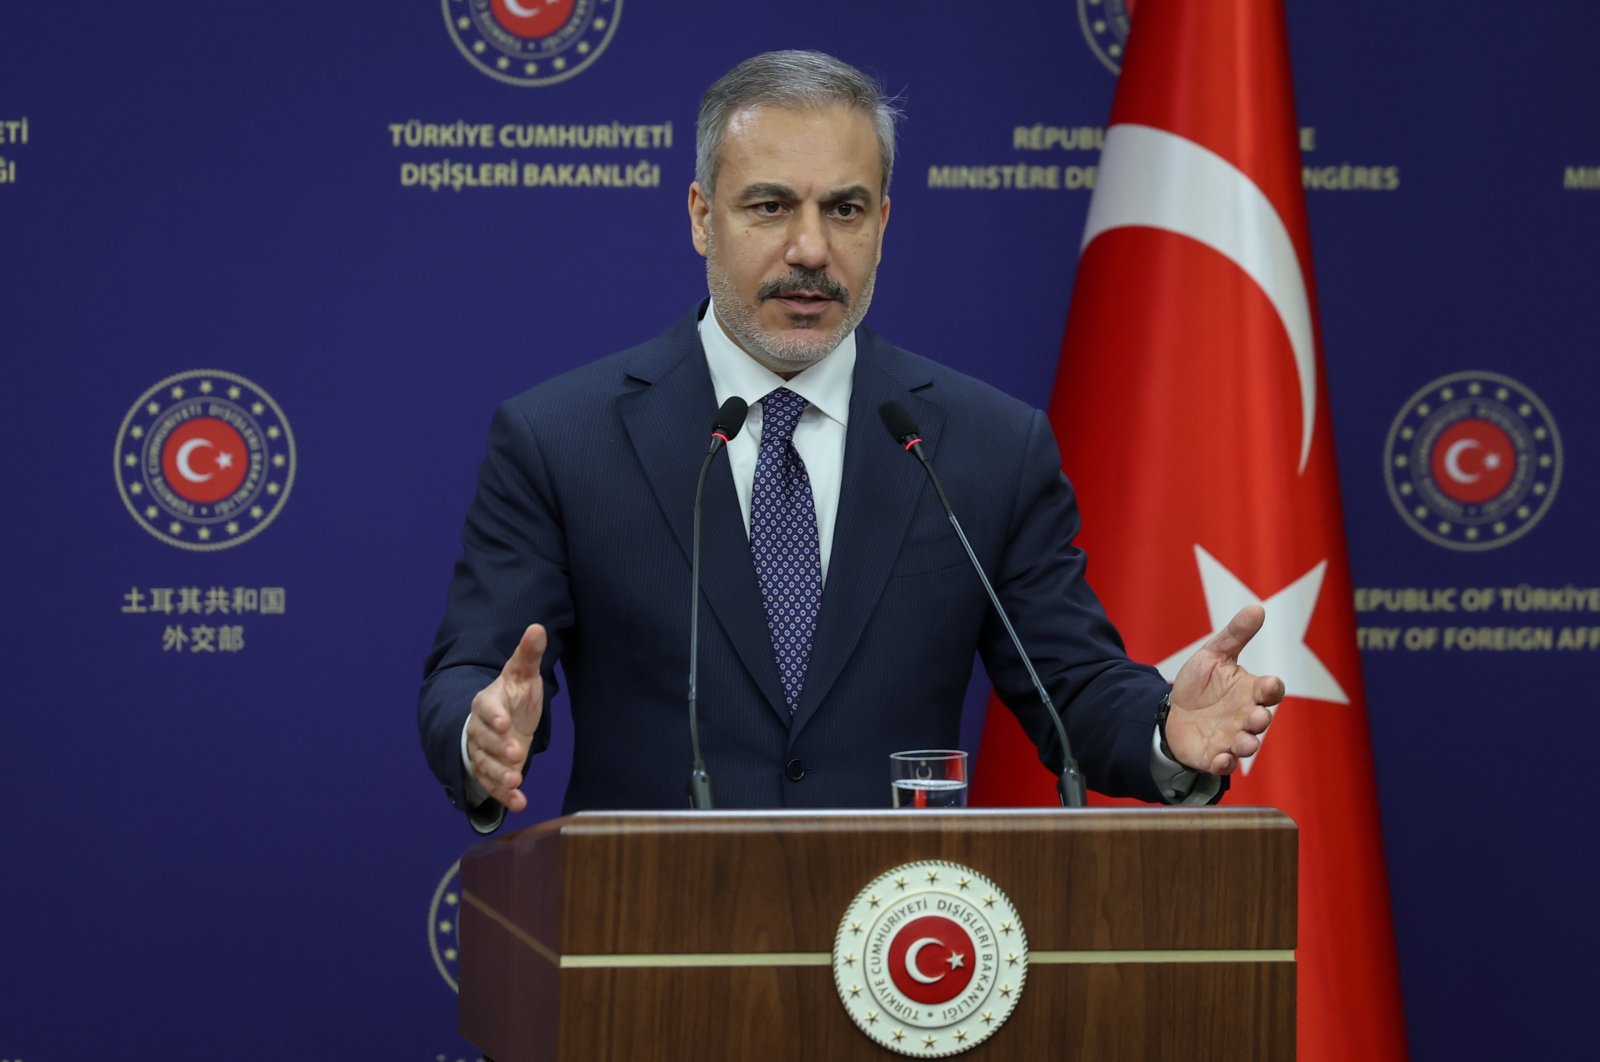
[[929, 778]]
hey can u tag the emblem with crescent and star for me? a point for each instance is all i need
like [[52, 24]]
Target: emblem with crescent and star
[[930, 959], [205, 460], [1473, 460], [531, 43]]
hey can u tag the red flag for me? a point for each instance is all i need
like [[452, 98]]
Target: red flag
[[1194, 423]]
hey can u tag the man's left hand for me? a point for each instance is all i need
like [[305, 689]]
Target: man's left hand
[[1220, 710]]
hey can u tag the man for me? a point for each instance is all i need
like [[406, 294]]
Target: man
[[841, 615]]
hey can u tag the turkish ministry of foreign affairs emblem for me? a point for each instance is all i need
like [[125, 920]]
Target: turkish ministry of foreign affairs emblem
[[204, 460], [930, 959], [1473, 461], [531, 43]]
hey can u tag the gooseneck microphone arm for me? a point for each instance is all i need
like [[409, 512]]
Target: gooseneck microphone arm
[[1069, 786], [726, 424]]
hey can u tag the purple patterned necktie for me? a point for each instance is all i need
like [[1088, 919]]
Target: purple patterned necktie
[[783, 541]]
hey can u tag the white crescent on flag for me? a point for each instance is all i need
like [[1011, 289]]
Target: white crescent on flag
[[1155, 179]]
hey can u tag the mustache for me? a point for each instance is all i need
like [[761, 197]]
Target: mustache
[[805, 281]]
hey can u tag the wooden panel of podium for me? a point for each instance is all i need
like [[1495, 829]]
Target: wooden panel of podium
[[1160, 933]]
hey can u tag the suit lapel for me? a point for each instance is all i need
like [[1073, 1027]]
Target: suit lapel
[[877, 497], [667, 417]]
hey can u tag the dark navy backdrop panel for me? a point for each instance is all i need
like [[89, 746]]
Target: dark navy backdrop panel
[[219, 838]]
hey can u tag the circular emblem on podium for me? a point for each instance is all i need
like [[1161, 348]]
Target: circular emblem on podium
[[205, 460], [531, 42], [1473, 461], [1105, 26], [930, 959]]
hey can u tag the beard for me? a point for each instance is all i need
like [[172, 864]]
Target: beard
[[805, 343]]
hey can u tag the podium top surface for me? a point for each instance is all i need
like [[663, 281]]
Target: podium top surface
[[902, 820]]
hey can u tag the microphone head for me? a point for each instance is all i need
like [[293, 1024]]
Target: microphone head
[[898, 420], [730, 418]]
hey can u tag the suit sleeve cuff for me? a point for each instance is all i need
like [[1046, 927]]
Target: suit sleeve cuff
[[1179, 784]]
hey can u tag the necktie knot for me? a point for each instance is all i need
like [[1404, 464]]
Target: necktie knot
[[780, 412]]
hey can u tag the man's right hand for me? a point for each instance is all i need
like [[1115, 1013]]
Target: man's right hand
[[505, 714]]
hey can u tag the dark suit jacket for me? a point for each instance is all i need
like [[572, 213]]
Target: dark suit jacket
[[582, 521]]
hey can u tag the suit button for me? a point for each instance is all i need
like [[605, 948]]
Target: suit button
[[794, 770]]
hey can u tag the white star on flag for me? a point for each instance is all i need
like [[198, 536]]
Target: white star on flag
[[955, 960], [1280, 646]]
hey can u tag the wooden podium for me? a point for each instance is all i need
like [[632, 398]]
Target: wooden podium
[[1161, 933]]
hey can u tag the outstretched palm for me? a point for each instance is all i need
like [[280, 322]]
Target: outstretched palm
[[1220, 710]]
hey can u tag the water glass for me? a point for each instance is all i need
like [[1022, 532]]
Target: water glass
[[929, 778]]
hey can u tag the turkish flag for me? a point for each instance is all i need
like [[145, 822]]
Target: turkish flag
[[1194, 422]]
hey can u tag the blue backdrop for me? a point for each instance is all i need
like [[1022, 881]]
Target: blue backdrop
[[217, 835]]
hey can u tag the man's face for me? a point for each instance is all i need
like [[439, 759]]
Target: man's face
[[793, 233]]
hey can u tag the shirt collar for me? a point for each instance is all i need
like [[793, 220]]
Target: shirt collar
[[824, 384]]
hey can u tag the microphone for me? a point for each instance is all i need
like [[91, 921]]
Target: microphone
[[724, 426], [1069, 787]]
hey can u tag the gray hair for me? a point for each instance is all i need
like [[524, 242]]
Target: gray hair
[[793, 79]]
